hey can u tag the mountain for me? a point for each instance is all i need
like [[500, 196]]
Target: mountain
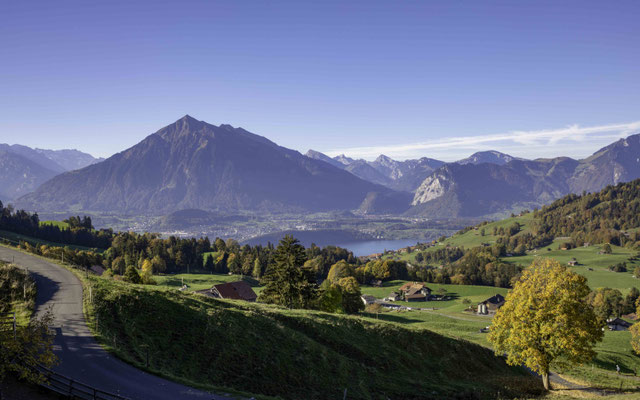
[[491, 157], [316, 155], [191, 164], [403, 176], [475, 190], [20, 175], [23, 169], [69, 159], [33, 156], [618, 162]]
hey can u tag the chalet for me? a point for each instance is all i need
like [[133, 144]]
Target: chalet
[[491, 305], [393, 296], [618, 324], [415, 291], [413, 287], [368, 299], [572, 263], [233, 291], [376, 283]]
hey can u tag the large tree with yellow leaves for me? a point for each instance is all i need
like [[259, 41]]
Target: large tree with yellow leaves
[[545, 319]]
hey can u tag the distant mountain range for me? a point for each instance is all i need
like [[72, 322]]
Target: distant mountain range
[[491, 157], [191, 164], [469, 190], [403, 176], [23, 169]]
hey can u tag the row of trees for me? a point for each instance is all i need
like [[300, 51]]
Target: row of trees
[[79, 232]]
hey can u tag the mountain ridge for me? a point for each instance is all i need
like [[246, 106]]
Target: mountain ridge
[[193, 164], [474, 190]]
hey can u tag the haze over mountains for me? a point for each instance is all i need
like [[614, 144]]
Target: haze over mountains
[[191, 164], [23, 169]]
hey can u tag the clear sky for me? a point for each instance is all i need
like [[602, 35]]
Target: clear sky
[[408, 78]]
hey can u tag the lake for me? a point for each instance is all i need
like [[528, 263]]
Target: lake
[[364, 248], [350, 240]]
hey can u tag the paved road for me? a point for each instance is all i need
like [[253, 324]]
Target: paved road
[[81, 357]]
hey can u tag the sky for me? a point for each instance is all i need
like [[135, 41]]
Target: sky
[[409, 79]]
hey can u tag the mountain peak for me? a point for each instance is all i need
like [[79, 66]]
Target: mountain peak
[[488, 156]]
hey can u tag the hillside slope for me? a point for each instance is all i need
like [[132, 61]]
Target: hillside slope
[[192, 164], [20, 175], [293, 353]]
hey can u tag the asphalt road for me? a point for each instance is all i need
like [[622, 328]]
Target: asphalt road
[[81, 357]]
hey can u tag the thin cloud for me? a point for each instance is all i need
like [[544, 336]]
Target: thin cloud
[[529, 144]]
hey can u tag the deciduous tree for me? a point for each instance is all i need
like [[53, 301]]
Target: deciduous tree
[[545, 319]]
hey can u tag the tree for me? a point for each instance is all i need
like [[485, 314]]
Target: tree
[[635, 331], [158, 264], [288, 282], [131, 275], [257, 269], [606, 249], [32, 345], [147, 272], [233, 264], [545, 317], [629, 303], [118, 265], [340, 270], [208, 263], [606, 302], [330, 299], [351, 301]]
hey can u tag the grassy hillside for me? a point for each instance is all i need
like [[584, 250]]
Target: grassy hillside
[[196, 282], [293, 353], [14, 238], [591, 264], [59, 224]]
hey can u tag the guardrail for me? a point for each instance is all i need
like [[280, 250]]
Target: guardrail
[[73, 389]]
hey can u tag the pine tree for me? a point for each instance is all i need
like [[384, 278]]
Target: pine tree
[[257, 268], [288, 282]]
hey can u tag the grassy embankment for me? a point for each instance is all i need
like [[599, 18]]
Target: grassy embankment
[[292, 353], [17, 292]]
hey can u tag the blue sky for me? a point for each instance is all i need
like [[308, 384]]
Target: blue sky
[[411, 78]]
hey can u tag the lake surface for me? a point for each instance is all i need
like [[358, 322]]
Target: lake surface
[[345, 239], [364, 248]]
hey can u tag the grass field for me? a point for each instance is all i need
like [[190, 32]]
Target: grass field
[[59, 224], [457, 293], [201, 281], [590, 264]]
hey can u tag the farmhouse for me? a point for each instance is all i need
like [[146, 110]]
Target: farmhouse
[[491, 305], [239, 290], [414, 291], [368, 299], [618, 324], [572, 263], [393, 296]]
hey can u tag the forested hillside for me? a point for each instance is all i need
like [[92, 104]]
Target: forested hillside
[[608, 216]]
